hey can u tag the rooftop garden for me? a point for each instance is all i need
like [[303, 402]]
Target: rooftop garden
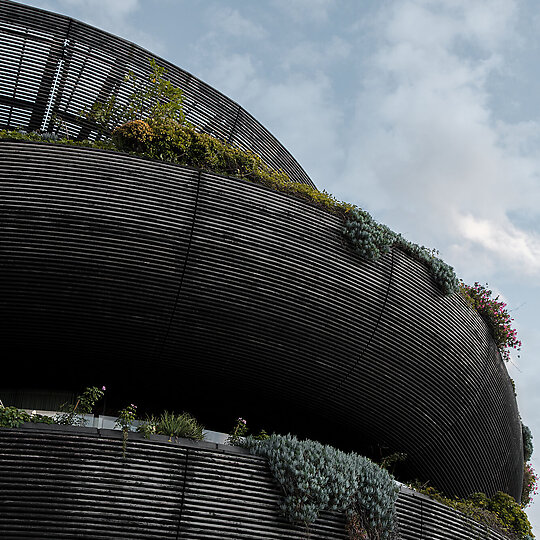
[[312, 477]]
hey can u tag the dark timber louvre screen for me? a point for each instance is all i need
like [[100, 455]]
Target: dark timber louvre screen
[[53, 67], [82, 487]]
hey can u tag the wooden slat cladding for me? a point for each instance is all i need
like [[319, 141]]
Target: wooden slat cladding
[[189, 290], [58, 482]]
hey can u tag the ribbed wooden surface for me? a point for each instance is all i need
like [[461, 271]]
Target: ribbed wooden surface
[[54, 66], [421, 518], [73, 483], [183, 289]]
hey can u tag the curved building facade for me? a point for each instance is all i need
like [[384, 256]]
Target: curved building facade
[[250, 297], [77, 485], [53, 67], [179, 288]]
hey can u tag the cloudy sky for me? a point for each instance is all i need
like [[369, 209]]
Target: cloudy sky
[[424, 112]]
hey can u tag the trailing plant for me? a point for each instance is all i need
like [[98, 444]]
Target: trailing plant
[[125, 420], [496, 316], [442, 273], [500, 512], [12, 417], [507, 509], [370, 240], [513, 383], [315, 477], [530, 485], [73, 414], [528, 446]]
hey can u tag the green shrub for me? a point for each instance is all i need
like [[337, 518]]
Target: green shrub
[[507, 509], [125, 420], [315, 477], [152, 98], [528, 447], [73, 414], [500, 512], [12, 417], [135, 136], [182, 144], [177, 425]]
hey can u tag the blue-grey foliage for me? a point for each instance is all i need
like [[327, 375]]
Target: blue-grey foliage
[[527, 442], [442, 273], [44, 135], [370, 240], [315, 477]]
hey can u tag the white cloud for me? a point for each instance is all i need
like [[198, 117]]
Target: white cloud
[[511, 245], [235, 75], [436, 161], [298, 109], [231, 22], [317, 55], [292, 97], [104, 8], [440, 23], [302, 110]]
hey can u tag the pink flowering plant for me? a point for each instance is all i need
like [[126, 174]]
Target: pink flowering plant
[[530, 485], [237, 435], [496, 315]]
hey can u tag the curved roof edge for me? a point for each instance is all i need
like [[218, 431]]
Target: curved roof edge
[[68, 65]]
